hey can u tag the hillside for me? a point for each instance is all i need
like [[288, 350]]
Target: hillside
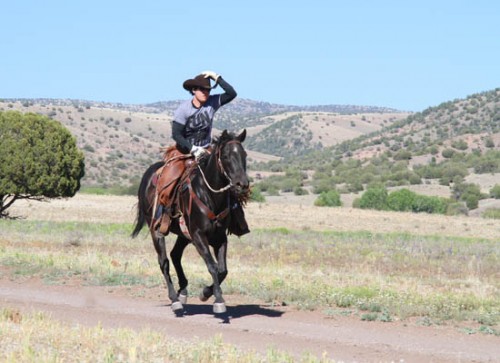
[[464, 125], [350, 146], [120, 140], [451, 151]]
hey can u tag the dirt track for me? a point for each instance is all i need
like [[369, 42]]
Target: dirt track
[[256, 326]]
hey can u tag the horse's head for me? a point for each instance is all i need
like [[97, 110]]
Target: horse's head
[[233, 161]]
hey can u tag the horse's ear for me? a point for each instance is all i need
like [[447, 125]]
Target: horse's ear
[[241, 137], [224, 134]]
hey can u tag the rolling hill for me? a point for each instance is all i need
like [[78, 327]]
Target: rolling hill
[[120, 141]]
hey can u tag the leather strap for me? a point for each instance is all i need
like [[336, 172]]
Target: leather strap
[[211, 215]]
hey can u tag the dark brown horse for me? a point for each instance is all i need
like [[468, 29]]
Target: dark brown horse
[[205, 201]]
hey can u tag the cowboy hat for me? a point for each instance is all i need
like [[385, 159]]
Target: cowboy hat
[[199, 81]]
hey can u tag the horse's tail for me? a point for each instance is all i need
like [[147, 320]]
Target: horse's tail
[[143, 204]]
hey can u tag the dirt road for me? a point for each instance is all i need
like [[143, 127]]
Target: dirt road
[[255, 326]]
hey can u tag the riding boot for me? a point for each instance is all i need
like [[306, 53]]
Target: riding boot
[[238, 224], [164, 226]]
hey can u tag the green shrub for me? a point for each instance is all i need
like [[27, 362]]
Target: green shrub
[[424, 203], [460, 144], [489, 143], [495, 191], [300, 191], [374, 198], [401, 200], [323, 185], [328, 199], [402, 155], [452, 171], [256, 195], [405, 200], [448, 153], [469, 193], [355, 187], [484, 166]]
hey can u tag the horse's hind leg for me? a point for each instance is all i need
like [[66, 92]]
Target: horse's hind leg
[[176, 256], [161, 249]]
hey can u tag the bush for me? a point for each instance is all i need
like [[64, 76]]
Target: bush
[[402, 155], [451, 172], [448, 153], [405, 200], [323, 185], [328, 199], [460, 144], [256, 195], [471, 201], [469, 193], [484, 166], [300, 191], [374, 198], [424, 203], [495, 191], [401, 200]]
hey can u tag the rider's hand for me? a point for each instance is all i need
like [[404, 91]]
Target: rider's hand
[[211, 74], [197, 151]]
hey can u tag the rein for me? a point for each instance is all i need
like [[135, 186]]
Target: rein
[[211, 215], [219, 164]]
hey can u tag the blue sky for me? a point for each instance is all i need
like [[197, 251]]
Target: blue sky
[[408, 55]]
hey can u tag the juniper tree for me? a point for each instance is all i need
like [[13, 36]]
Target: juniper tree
[[39, 159]]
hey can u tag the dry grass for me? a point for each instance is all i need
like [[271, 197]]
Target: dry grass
[[280, 212], [38, 337], [411, 264], [374, 276]]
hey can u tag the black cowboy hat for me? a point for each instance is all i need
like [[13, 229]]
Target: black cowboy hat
[[198, 81]]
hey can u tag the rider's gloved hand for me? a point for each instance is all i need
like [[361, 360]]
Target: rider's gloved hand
[[211, 74], [197, 151]]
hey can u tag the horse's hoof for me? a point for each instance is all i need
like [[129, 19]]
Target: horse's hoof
[[176, 306], [203, 297], [219, 308], [182, 298]]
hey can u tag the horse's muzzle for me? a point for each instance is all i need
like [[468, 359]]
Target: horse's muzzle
[[241, 187]]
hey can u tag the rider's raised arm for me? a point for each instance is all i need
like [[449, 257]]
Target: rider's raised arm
[[229, 92]]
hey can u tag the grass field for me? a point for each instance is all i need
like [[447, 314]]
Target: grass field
[[370, 265]]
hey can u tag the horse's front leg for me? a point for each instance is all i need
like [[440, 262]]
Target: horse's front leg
[[221, 253], [176, 256], [159, 243], [201, 243]]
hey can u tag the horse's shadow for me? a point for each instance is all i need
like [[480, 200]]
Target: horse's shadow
[[233, 312]]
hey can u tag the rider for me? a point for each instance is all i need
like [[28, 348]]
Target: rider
[[192, 124], [192, 133]]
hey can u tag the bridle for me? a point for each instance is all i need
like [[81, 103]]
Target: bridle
[[193, 197], [221, 168]]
